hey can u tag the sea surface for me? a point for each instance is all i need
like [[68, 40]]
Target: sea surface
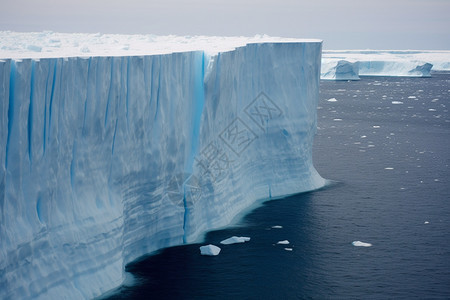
[[385, 144]]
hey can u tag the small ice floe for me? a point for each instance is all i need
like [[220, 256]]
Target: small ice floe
[[288, 249], [277, 227], [337, 120], [412, 97], [361, 244], [426, 222], [285, 242], [389, 168], [397, 102], [235, 240], [431, 109], [210, 250], [376, 126], [332, 100]]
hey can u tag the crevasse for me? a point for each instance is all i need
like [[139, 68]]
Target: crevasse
[[105, 159]]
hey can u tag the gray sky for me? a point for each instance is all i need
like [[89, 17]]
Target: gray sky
[[342, 24]]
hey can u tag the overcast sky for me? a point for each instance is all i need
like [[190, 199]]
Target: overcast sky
[[342, 24]]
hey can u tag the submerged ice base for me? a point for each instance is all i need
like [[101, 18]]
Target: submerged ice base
[[105, 159]]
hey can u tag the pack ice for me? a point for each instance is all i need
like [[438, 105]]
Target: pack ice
[[112, 147]]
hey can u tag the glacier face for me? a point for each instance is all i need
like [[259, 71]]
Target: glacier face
[[339, 70], [408, 63], [105, 159]]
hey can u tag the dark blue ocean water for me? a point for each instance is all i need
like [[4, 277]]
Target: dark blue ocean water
[[386, 144]]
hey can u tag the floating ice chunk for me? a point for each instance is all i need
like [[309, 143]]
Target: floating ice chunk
[[277, 226], [288, 249], [285, 242], [337, 119], [361, 244], [426, 222], [332, 100], [389, 168], [235, 240], [376, 126], [397, 102], [412, 97], [210, 250], [431, 109]]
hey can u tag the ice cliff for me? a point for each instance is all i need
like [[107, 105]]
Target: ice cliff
[[383, 63], [339, 70], [106, 158]]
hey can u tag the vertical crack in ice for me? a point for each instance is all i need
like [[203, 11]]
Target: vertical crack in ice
[[114, 138], [30, 113], [185, 216], [52, 95], [109, 90], [12, 83], [127, 98], [72, 165], [198, 104], [158, 89], [87, 93]]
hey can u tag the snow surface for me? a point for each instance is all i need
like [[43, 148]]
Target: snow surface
[[209, 250], [235, 240], [384, 63], [109, 156], [50, 44]]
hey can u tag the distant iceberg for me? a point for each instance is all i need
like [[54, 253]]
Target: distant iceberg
[[113, 146], [339, 70], [384, 63]]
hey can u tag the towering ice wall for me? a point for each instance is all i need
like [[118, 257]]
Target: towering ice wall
[[105, 159]]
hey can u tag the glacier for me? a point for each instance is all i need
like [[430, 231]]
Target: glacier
[[341, 64], [111, 152], [339, 70]]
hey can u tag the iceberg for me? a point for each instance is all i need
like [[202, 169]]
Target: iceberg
[[339, 70], [114, 153], [235, 240], [283, 242], [209, 250], [408, 63], [361, 244]]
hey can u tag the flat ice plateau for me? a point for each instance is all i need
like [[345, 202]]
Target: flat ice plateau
[[350, 64], [113, 146]]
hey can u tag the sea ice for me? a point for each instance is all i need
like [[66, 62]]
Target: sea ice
[[235, 240], [284, 242], [361, 244], [210, 250]]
